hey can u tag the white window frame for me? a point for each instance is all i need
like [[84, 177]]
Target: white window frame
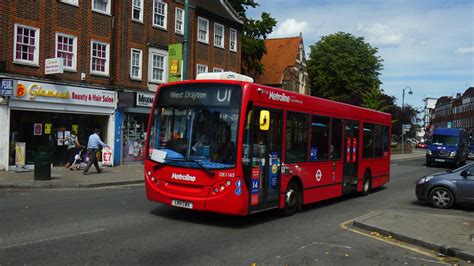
[[233, 38], [106, 12], [74, 50], [217, 69], [165, 20], [139, 7], [202, 66], [164, 54], [107, 59], [221, 44], [140, 56], [206, 40], [35, 61], [176, 20], [70, 2]]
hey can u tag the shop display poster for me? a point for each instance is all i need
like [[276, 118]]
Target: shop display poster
[[47, 128], [20, 148], [60, 138], [38, 129]]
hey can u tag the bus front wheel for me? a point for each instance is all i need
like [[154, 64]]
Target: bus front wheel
[[292, 199]]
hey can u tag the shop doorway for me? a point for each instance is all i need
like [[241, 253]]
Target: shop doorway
[[43, 131]]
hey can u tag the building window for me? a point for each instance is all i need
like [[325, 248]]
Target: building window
[[99, 58], [66, 48], [216, 69], [137, 10], [218, 35], [233, 40], [201, 69], [71, 2], [203, 30], [26, 46], [158, 60], [160, 10], [136, 64], [179, 21], [101, 6]]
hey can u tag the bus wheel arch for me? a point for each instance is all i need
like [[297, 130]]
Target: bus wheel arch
[[367, 182], [293, 196]]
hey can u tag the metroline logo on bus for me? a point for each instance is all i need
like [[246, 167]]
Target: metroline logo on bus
[[282, 97], [186, 177]]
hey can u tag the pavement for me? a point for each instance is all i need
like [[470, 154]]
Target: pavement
[[449, 235]]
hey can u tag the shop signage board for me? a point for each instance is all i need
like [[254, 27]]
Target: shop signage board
[[54, 66], [145, 99], [6, 87], [53, 93], [175, 57]]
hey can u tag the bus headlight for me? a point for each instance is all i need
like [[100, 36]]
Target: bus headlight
[[452, 154]]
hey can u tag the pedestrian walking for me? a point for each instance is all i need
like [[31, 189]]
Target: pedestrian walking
[[93, 146], [73, 146]]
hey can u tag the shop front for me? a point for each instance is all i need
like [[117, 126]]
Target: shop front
[[134, 108], [41, 115]]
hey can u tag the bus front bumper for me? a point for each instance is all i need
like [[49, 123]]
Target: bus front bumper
[[225, 202]]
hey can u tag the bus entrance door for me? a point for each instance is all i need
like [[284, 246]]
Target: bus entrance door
[[266, 162], [351, 149]]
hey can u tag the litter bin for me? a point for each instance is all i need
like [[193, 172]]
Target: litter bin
[[43, 166]]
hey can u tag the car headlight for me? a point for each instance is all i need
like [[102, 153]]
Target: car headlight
[[452, 154], [428, 152], [425, 179]]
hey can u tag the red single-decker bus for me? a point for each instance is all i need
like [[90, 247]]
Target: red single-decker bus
[[224, 144]]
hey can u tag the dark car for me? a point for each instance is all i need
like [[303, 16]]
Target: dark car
[[470, 155], [442, 190]]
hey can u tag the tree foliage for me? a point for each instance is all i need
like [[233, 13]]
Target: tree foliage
[[375, 99], [254, 34], [342, 66]]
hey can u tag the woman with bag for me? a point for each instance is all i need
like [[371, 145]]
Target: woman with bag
[[73, 147]]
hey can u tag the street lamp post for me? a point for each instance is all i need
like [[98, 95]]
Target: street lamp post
[[410, 92]]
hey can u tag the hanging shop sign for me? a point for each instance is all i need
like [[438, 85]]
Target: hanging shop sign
[[52, 93], [54, 66], [145, 99]]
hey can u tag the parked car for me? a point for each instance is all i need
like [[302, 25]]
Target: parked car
[[470, 155], [442, 190], [421, 145]]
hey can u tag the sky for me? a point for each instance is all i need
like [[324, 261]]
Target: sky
[[426, 46]]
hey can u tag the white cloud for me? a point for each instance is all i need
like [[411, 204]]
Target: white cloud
[[465, 50], [291, 27], [380, 34]]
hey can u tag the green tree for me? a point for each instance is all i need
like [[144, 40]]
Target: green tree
[[375, 99], [342, 66], [254, 34]]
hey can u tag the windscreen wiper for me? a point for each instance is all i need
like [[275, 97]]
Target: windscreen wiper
[[211, 174]]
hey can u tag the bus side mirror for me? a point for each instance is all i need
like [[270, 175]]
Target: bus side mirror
[[264, 120]]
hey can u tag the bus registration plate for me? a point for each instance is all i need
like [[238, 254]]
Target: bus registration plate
[[181, 203]]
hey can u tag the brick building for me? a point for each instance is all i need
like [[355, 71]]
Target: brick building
[[112, 56], [456, 113], [285, 65]]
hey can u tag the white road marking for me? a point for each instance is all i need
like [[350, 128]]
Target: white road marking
[[432, 261], [52, 238]]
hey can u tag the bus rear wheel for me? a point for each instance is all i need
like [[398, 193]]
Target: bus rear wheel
[[292, 199], [367, 185]]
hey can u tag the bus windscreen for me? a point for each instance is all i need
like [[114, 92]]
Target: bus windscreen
[[196, 125]]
